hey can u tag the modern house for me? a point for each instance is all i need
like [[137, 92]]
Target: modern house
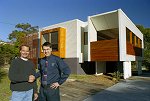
[[97, 46]]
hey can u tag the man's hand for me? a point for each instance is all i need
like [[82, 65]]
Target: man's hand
[[31, 78], [35, 96], [55, 85]]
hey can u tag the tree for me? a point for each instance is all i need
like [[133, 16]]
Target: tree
[[16, 38], [146, 34], [21, 31], [7, 52]]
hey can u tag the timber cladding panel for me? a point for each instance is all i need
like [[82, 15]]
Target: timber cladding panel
[[133, 50], [61, 41], [105, 50], [32, 41]]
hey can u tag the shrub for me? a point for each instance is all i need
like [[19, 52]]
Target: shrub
[[117, 76]]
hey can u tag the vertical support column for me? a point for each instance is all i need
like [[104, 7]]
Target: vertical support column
[[126, 69], [139, 67], [130, 70], [96, 66]]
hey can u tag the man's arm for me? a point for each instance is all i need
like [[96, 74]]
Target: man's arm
[[64, 71], [33, 80], [38, 74]]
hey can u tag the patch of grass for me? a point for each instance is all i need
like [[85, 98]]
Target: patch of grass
[[5, 92], [89, 81], [3, 73], [79, 77]]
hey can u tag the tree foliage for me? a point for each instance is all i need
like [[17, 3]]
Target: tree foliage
[[146, 34], [9, 51], [21, 31]]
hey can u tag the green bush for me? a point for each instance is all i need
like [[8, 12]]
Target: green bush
[[117, 75]]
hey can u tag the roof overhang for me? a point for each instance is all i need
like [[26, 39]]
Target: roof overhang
[[105, 21]]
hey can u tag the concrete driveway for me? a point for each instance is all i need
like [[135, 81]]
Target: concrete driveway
[[136, 88]]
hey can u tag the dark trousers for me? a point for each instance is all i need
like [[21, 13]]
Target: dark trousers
[[49, 94]]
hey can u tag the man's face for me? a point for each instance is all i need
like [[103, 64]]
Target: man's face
[[24, 51], [47, 50]]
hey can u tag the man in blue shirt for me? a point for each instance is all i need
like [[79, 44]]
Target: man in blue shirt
[[53, 72]]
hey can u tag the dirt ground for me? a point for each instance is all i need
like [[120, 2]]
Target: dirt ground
[[78, 89]]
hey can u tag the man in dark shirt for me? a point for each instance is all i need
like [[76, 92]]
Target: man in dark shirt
[[53, 72], [21, 73]]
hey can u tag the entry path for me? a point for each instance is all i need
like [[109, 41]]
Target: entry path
[[136, 88]]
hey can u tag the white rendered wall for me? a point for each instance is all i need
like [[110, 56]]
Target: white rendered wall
[[79, 53], [122, 38], [72, 38], [85, 53], [133, 58], [92, 35], [105, 21], [124, 22]]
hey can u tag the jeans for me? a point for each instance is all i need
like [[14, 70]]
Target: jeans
[[22, 95]]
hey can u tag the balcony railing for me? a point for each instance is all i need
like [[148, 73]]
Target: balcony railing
[[105, 50], [133, 50]]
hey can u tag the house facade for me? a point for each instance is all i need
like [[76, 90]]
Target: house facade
[[97, 46]]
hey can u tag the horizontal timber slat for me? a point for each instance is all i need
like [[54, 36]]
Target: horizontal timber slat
[[105, 50]]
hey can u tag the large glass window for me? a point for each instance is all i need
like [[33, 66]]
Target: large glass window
[[133, 39], [51, 37], [128, 35], [45, 38], [54, 40]]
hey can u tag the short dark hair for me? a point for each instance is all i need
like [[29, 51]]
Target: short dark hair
[[25, 46], [47, 44]]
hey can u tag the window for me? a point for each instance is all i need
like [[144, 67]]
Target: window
[[136, 41], [140, 44], [85, 38], [57, 38], [133, 39], [54, 40], [128, 35], [45, 38], [51, 37]]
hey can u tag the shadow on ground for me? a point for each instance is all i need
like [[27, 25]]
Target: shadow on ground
[[144, 73], [135, 89], [79, 90]]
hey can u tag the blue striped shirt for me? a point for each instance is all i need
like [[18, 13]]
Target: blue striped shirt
[[57, 70]]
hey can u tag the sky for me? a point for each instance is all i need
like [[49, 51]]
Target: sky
[[43, 13]]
